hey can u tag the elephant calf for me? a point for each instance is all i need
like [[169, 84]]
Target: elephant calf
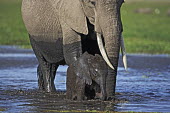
[[89, 82]]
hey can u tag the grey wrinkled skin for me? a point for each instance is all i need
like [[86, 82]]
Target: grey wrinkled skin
[[88, 82], [60, 31]]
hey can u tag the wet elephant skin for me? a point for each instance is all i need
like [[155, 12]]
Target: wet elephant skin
[[90, 81]]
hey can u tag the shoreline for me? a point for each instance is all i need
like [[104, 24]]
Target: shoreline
[[19, 50]]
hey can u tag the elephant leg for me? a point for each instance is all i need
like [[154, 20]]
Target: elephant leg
[[80, 87], [103, 92], [72, 47], [71, 83], [49, 72], [75, 85], [46, 70], [102, 83], [40, 79], [100, 89]]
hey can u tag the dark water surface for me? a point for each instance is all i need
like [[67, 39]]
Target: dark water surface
[[144, 88]]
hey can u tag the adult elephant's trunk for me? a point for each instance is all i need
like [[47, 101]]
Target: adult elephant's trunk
[[110, 26], [112, 46]]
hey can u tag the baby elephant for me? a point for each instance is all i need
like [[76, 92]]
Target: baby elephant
[[90, 80]]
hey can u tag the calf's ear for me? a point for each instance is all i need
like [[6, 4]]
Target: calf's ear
[[82, 71]]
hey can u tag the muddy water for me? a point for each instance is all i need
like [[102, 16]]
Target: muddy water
[[145, 87]]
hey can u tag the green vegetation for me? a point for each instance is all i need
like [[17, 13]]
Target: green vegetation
[[147, 33], [143, 33], [12, 29]]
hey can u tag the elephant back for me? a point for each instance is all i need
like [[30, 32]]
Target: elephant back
[[41, 20]]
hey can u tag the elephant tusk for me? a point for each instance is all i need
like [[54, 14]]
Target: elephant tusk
[[103, 51], [123, 52]]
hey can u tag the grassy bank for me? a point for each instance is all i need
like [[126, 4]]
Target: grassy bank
[[12, 30], [147, 32], [144, 33]]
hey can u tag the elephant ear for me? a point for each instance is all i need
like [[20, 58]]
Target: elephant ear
[[89, 10], [71, 12], [82, 70]]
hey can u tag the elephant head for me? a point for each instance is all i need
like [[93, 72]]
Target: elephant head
[[106, 18], [108, 27]]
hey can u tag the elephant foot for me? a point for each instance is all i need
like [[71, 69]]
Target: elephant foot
[[50, 88], [71, 96], [41, 88], [100, 96], [79, 97], [41, 85]]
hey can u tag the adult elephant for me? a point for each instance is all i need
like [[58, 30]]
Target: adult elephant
[[61, 30]]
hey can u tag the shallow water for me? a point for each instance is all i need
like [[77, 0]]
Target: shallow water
[[144, 88]]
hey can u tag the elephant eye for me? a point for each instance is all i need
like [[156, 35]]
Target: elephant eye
[[93, 3]]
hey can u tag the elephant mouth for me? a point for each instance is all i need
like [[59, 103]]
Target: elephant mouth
[[104, 54]]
